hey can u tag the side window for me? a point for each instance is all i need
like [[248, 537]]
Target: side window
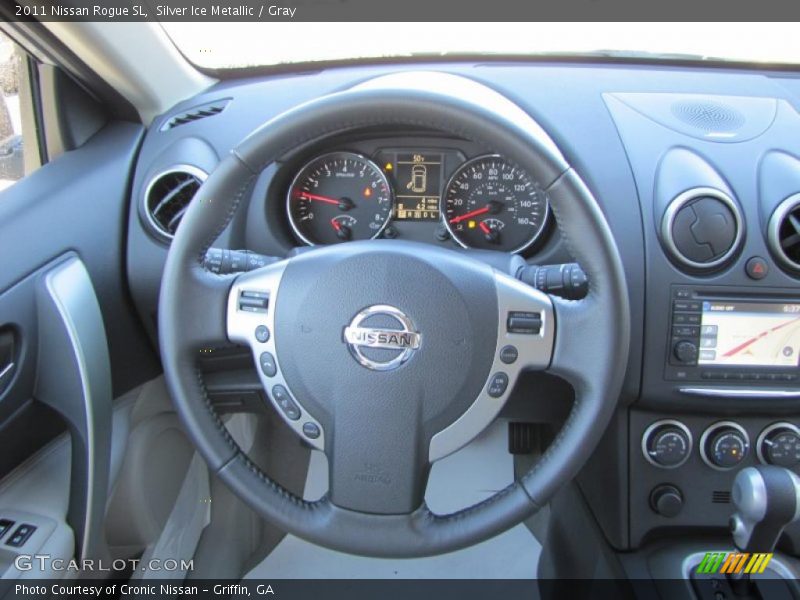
[[18, 145]]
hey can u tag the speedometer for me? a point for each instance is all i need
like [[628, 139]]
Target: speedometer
[[492, 205], [339, 197]]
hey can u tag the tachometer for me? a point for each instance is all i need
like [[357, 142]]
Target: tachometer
[[492, 205], [339, 197]]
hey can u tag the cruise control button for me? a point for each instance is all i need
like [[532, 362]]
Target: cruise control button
[[262, 333], [267, 362], [311, 430], [509, 354], [285, 402], [497, 384]]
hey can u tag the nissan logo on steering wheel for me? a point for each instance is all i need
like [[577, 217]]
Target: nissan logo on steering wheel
[[381, 337]]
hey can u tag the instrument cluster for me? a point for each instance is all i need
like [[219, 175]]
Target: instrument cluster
[[484, 202]]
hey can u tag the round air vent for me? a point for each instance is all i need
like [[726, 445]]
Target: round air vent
[[709, 116], [784, 233], [168, 196], [702, 228]]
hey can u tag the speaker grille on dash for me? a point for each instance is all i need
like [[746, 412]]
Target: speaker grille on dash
[[709, 116]]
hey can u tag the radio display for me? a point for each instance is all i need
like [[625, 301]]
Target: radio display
[[419, 183], [751, 334]]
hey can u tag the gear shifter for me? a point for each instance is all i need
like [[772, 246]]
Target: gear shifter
[[767, 499]]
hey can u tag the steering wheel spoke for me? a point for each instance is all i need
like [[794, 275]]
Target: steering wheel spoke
[[251, 322], [525, 333]]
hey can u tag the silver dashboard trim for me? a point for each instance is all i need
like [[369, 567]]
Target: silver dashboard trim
[[179, 168], [739, 392], [679, 202], [773, 229], [537, 234], [320, 157], [661, 423], [714, 427], [763, 436]]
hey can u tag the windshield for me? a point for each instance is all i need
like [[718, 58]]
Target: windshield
[[238, 45]]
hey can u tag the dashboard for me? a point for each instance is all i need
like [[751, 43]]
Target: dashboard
[[697, 170]]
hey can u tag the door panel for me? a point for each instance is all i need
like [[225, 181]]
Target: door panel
[[67, 327]]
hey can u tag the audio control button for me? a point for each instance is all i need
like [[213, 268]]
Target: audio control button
[[686, 351], [686, 331]]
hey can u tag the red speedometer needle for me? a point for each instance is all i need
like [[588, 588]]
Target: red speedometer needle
[[470, 214], [325, 199]]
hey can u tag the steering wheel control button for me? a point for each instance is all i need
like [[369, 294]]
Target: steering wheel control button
[[253, 301], [509, 354], [284, 400], [311, 430], [262, 334], [267, 362], [756, 268], [524, 322], [497, 384]]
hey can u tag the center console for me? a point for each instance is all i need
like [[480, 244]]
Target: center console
[[720, 384]]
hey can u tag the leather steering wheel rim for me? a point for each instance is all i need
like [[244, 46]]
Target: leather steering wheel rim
[[590, 348]]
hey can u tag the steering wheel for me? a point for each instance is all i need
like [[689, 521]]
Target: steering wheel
[[386, 355]]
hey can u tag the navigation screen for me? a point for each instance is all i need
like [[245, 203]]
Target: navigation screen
[[419, 181], [750, 334]]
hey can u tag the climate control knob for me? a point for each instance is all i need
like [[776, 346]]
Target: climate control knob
[[779, 444], [724, 445], [667, 444]]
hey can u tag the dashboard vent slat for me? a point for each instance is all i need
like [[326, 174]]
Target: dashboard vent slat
[[195, 114], [721, 497], [168, 196], [784, 233]]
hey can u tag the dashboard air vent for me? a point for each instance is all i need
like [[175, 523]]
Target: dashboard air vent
[[168, 196], [196, 113], [702, 229], [784, 233]]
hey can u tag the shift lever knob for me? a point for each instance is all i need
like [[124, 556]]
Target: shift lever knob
[[767, 499]]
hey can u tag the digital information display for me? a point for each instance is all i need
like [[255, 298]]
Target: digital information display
[[749, 334], [418, 180]]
